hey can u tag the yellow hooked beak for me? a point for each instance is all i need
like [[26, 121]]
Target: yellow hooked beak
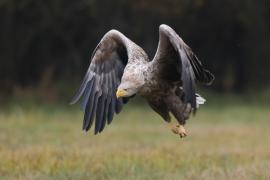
[[120, 93]]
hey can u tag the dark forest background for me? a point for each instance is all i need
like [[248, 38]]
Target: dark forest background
[[45, 46]]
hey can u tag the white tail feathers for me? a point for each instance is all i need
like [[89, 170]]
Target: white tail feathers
[[199, 100]]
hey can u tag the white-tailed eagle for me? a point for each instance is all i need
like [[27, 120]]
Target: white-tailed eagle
[[120, 69]]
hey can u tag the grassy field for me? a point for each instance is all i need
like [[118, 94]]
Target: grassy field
[[228, 141]]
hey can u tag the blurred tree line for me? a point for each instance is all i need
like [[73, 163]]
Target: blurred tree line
[[52, 40]]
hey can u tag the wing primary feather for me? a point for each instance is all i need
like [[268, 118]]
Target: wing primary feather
[[93, 112], [86, 115], [104, 115], [86, 95], [79, 93], [100, 104], [106, 95], [99, 113], [89, 110], [95, 94], [113, 98], [201, 74], [188, 81], [111, 111], [111, 94]]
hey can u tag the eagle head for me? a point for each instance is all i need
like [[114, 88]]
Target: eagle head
[[131, 83]]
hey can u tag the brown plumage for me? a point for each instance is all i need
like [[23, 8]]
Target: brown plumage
[[120, 69]]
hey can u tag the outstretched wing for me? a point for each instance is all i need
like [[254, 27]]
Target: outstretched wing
[[100, 83], [175, 61]]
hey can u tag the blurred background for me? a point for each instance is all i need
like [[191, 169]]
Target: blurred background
[[45, 49], [46, 45]]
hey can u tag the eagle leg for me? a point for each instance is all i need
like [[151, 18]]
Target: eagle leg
[[181, 117]]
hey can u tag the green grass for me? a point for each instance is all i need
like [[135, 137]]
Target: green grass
[[227, 141]]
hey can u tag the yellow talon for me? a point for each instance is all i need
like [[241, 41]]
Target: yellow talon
[[181, 131], [178, 129]]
